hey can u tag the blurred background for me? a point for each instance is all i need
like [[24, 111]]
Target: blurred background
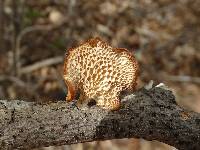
[[164, 35]]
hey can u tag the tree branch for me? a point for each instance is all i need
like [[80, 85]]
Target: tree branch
[[150, 114]]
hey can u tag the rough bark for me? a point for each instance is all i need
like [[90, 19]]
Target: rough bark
[[150, 114]]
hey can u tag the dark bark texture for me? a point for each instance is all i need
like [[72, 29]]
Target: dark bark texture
[[150, 114]]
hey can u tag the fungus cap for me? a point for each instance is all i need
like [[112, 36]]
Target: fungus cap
[[100, 72]]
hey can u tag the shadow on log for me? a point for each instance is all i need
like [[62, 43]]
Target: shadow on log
[[150, 114]]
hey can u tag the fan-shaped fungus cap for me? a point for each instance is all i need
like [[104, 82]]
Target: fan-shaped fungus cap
[[100, 72]]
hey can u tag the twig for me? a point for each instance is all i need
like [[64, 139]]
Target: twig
[[22, 34], [13, 79], [19, 83], [16, 23], [1, 25], [43, 63]]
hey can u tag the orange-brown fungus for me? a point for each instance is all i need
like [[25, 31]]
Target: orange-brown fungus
[[100, 72]]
